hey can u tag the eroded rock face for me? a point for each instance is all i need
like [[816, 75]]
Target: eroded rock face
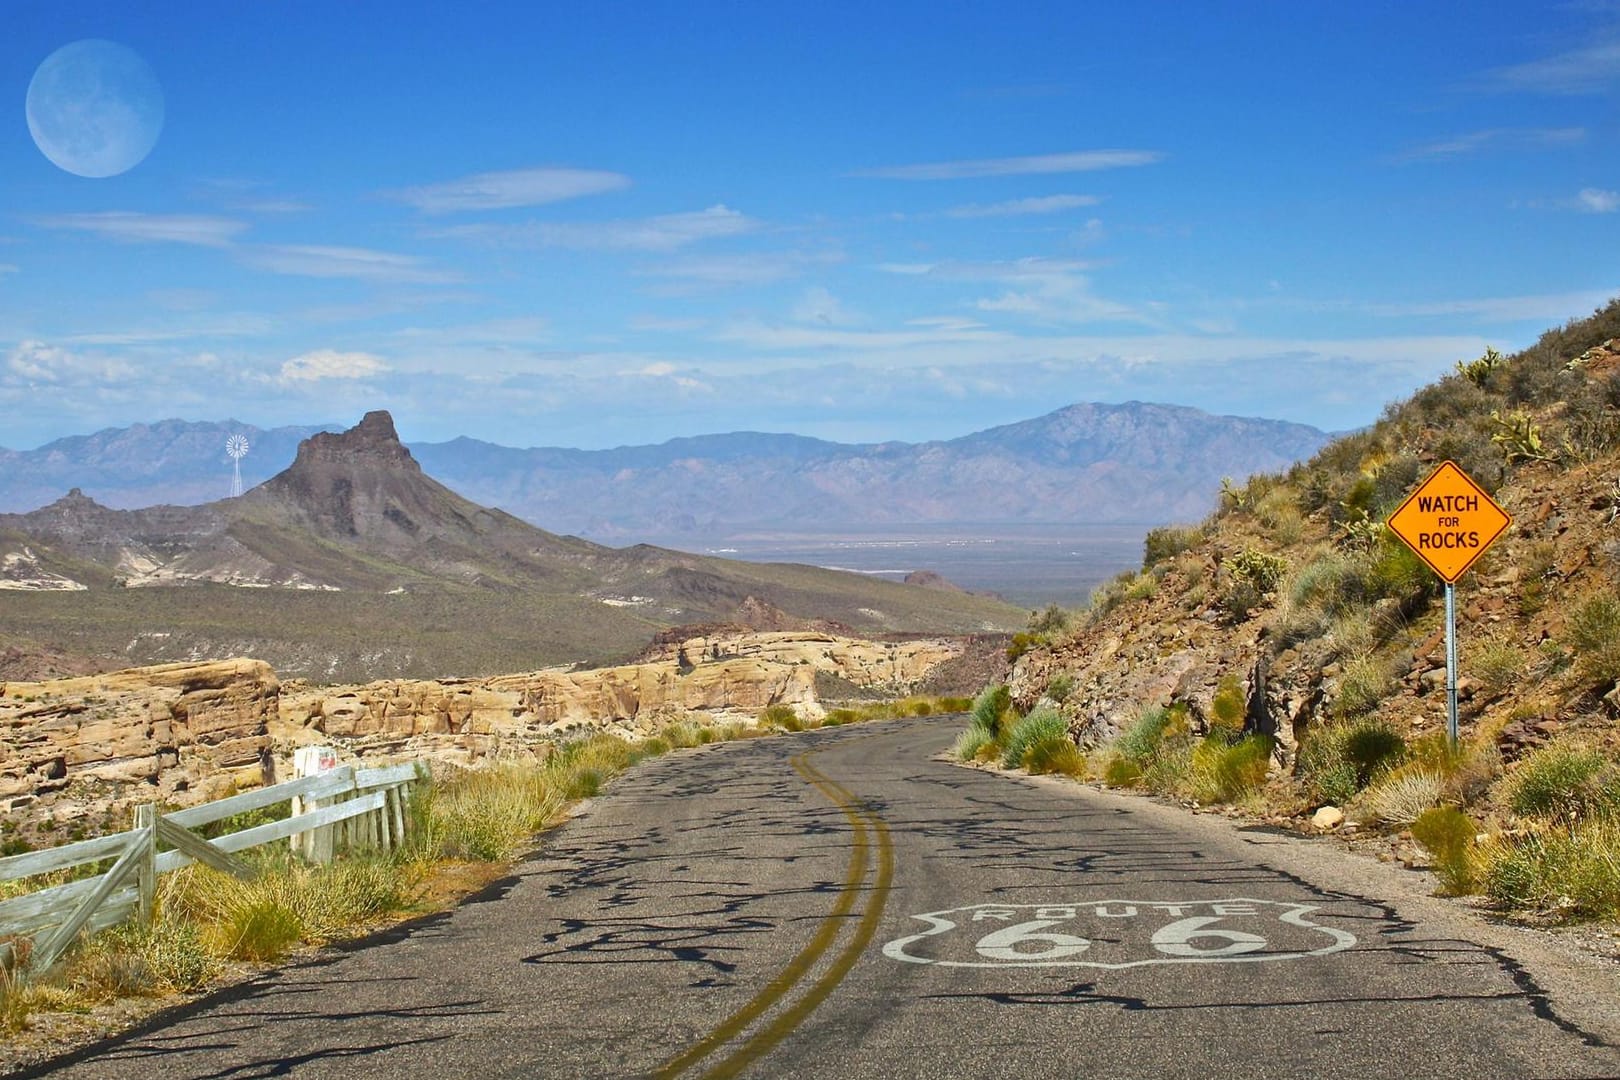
[[83, 749], [726, 675], [179, 731]]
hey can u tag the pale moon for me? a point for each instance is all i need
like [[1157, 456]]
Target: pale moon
[[95, 108]]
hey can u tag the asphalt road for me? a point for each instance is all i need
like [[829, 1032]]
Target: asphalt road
[[838, 904]]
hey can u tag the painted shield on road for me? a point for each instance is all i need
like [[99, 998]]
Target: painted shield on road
[[1119, 934]]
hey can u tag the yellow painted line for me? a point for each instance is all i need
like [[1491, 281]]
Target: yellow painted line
[[800, 965], [773, 1033]]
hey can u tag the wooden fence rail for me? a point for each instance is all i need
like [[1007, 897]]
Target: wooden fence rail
[[344, 809]]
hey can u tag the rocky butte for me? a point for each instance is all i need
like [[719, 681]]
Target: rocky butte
[[353, 564]]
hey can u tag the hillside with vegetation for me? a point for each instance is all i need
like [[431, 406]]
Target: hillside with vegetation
[[1286, 656]]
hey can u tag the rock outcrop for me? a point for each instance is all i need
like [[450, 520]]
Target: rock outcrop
[[80, 749], [181, 731], [731, 675]]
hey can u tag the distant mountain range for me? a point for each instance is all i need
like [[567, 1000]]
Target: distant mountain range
[[1087, 463], [354, 563]]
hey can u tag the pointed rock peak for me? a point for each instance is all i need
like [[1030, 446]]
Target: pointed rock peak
[[373, 441], [75, 499], [376, 425]]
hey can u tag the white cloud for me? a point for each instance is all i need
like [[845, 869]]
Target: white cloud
[[515, 187], [1598, 201], [1038, 164], [1473, 142], [345, 262], [10, 268], [1041, 204], [666, 232], [700, 272], [663, 324], [35, 362], [818, 305], [908, 269], [272, 206], [237, 325], [1585, 70], [133, 228], [1553, 307], [330, 364]]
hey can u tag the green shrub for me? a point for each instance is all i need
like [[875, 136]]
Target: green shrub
[[838, 717], [257, 927], [1052, 620], [1043, 723], [1565, 783], [1362, 685], [1496, 664], [1121, 771], [1571, 874], [1258, 568], [1228, 709], [1143, 587], [1141, 743], [1061, 686], [970, 743], [1220, 771], [1339, 760], [1448, 834], [1594, 631], [1166, 542], [781, 716], [1479, 371], [1055, 754], [990, 708], [1399, 574]]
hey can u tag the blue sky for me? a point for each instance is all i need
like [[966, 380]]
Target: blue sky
[[608, 223]]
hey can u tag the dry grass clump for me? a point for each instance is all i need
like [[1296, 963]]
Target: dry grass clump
[[1401, 796]]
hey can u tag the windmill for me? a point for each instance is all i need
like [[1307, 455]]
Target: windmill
[[236, 448]]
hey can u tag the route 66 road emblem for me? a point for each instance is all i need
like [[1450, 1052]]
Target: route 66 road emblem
[[1118, 934]]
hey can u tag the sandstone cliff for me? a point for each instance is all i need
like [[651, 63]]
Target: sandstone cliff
[[78, 751]]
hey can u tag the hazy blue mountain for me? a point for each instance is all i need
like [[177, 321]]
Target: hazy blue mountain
[[1084, 464]]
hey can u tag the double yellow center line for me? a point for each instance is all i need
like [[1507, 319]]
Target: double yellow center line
[[870, 843]]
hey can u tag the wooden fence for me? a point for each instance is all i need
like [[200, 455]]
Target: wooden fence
[[342, 809]]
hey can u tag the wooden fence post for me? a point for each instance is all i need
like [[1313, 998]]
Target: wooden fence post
[[146, 867]]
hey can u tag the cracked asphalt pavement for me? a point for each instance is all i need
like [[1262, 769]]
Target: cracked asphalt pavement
[[842, 904]]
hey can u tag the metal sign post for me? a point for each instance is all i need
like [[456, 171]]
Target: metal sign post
[[1449, 521], [1451, 662]]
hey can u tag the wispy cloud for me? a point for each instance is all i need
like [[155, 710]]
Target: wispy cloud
[[819, 306], [1507, 139], [515, 187], [694, 273], [360, 264], [1598, 201], [134, 228], [272, 206], [10, 268], [234, 326], [323, 364], [1035, 165], [1586, 70], [1040, 204], [661, 324], [494, 333], [1551, 307], [665, 232]]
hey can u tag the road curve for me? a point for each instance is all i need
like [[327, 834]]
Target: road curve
[[839, 904]]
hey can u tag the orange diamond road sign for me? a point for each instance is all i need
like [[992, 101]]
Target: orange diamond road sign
[[1449, 521]]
